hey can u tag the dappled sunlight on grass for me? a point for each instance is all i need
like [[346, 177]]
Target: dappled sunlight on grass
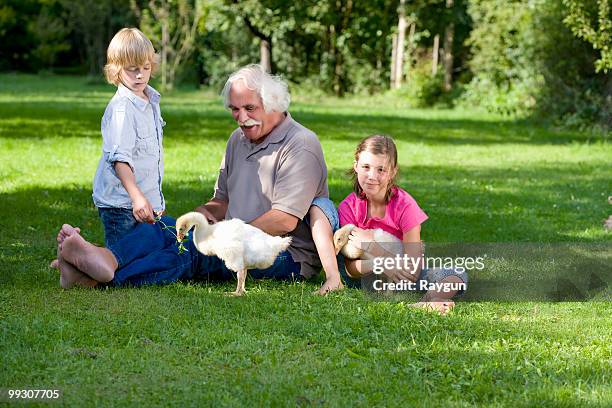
[[479, 177]]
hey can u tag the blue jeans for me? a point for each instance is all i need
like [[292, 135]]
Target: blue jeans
[[117, 222], [149, 255], [329, 209]]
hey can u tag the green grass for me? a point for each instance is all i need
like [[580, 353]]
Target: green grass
[[480, 177]]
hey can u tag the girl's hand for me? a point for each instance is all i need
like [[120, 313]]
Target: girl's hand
[[360, 237], [330, 285], [142, 210]]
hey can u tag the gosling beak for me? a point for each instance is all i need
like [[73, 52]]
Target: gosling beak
[[180, 236], [337, 250]]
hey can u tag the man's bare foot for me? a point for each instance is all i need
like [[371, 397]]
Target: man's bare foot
[[71, 276], [66, 231], [442, 307], [99, 263]]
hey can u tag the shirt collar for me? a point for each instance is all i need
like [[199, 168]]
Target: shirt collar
[[140, 103]]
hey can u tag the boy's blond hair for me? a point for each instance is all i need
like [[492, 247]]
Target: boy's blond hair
[[128, 47]]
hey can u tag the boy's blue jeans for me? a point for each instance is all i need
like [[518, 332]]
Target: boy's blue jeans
[[150, 255], [117, 223]]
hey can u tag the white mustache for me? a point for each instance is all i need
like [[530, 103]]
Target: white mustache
[[249, 122]]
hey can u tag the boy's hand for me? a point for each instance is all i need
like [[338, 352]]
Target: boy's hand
[[142, 210]]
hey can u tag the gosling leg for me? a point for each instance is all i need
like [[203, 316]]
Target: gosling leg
[[240, 287]]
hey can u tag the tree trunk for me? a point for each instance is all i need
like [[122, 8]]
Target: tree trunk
[[165, 43], [449, 34], [336, 81], [408, 58], [401, 35], [265, 51], [608, 104], [265, 45], [393, 60], [434, 55]]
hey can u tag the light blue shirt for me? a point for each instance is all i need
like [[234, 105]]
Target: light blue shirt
[[131, 133]]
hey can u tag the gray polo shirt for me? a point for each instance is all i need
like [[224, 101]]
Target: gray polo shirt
[[284, 172]]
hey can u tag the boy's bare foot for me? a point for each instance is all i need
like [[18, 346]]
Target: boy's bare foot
[[97, 262], [71, 276], [442, 307]]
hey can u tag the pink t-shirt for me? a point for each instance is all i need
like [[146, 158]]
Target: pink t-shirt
[[402, 213]]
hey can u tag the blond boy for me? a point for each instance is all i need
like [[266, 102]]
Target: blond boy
[[127, 185]]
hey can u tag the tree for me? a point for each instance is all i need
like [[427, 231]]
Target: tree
[[447, 59], [598, 31], [51, 33], [254, 15], [16, 40], [172, 25], [397, 60], [94, 22]]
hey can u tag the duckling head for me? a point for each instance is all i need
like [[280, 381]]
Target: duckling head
[[187, 221], [341, 237]]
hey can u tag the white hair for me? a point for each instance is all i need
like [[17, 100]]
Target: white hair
[[272, 90]]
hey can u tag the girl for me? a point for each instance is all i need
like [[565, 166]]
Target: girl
[[377, 202], [127, 185]]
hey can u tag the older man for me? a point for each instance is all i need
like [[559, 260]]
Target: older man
[[272, 171]]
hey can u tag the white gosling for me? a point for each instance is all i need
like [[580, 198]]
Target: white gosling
[[241, 246]]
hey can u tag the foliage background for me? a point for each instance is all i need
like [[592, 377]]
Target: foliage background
[[531, 58]]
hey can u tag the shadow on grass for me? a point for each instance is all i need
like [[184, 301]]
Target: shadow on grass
[[280, 336], [536, 204], [539, 203], [38, 120], [189, 121]]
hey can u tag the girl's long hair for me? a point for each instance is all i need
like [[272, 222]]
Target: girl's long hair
[[376, 144]]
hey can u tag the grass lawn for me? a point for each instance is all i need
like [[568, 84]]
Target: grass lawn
[[481, 178]]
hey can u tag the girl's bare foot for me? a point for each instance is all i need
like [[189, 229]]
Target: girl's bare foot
[[442, 307], [71, 276], [97, 262]]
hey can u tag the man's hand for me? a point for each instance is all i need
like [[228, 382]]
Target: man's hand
[[330, 285], [214, 210], [209, 216], [142, 210]]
